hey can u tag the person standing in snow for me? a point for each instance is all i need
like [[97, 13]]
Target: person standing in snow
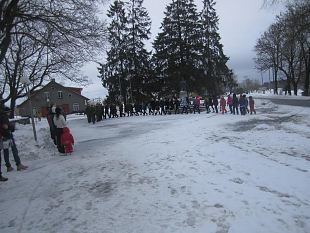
[[88, 113], [210, 103], [215, 103], [7, 130], [50, 116], [223, 105], [230, 103], [67, 140], [235, 103], [251, 103], [60, 123], [197, 104], [242, 104], [246, 104], [184, 104]]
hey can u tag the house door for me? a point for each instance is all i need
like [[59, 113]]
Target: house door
[[65, 108]]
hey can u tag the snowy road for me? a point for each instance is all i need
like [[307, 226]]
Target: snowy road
[[202, 173], [302, 101]]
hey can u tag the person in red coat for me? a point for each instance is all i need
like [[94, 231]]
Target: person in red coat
[[67, 140], [223, 105]]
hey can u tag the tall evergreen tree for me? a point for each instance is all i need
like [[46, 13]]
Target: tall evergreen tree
[[113, 73], [213, 59], [139, 27], [176, 47]]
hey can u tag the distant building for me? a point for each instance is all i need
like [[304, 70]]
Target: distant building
[[68, 98]]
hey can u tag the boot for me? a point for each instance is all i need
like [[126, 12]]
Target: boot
[[9, 169], [21, 167], [3, 178]]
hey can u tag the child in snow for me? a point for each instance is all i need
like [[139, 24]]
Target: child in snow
[[243, 104], [223, 105], [230, 103], [251, 103], [67, 140]]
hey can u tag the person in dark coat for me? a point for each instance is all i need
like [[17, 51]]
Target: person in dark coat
[[106, 111], [121, 110], [50, 117], [93, 114], [215, 103], [235, 103], [242, 104], [176, 106], [88, 113], [7, 130]]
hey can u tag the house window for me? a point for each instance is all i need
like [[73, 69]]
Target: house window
[[76, 107], [59, 94]]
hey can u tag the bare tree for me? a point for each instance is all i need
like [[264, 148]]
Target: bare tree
[[250, 84], [293, 46], [299, 14], [268, 52], [60, 35], [27, 58], [290, 35]]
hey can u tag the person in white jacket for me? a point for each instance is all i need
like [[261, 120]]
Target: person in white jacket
[[60, 123]]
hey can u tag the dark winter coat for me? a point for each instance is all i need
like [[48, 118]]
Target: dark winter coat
[[235, 101]]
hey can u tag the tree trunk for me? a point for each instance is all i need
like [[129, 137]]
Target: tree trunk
[[275, 91], [307, 83], [12, 107], [295, 87], [288, 81]]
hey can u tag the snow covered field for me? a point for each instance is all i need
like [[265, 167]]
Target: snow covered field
[[207, 173]]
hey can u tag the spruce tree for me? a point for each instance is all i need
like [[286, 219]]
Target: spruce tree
[[213, 59], [113, 71], [138, 66], [176, 47]]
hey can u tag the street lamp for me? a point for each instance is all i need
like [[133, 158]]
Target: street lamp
[[26, 83]]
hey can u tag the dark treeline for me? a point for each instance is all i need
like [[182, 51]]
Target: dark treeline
[[187, 54], [285, 48]]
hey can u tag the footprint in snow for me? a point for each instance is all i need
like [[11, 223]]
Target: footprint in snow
[[237, 180]]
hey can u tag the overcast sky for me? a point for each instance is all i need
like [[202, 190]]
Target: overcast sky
[[241, 22]]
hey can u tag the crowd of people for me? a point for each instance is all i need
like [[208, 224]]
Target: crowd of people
[[63, 139], [242, 104]]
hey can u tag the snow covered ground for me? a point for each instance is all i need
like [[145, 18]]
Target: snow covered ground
[[207, 173]]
